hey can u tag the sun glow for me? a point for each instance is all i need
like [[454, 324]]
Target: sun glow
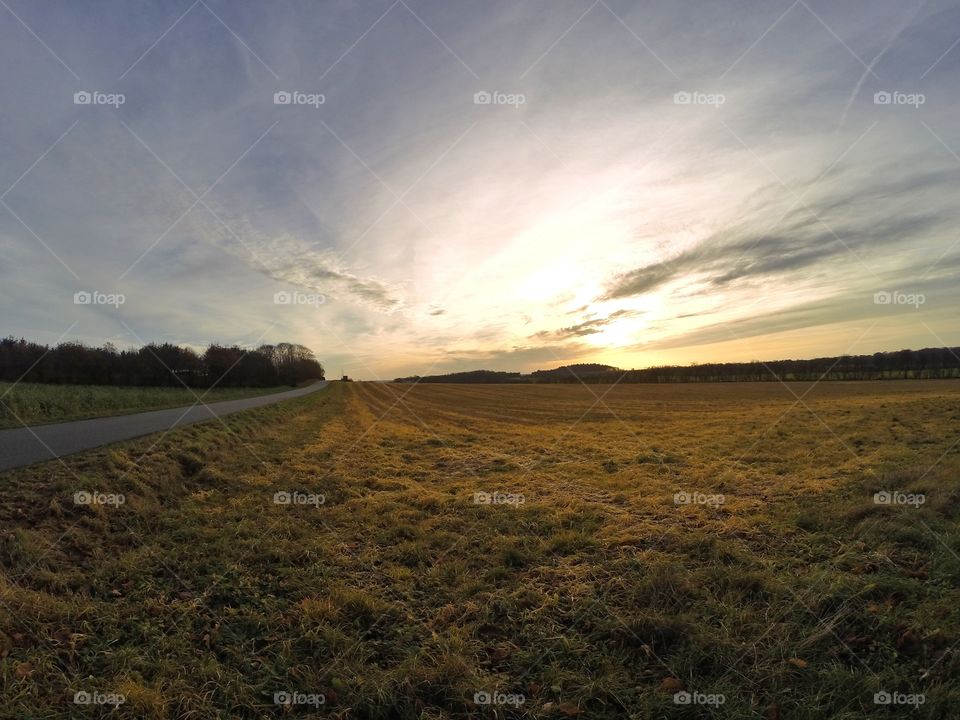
[[617, 334]]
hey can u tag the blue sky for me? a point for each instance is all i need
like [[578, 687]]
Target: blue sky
[[672, 182]]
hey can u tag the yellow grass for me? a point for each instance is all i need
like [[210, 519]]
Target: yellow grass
[[597, 595]]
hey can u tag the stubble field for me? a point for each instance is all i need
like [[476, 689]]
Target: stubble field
[[459, 551]]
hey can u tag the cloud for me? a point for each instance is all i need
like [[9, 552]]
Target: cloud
[[291, 259], [591, 326], [850, 225], [517, 357], [644, 279]]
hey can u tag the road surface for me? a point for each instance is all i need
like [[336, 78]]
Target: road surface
[[24, 446]]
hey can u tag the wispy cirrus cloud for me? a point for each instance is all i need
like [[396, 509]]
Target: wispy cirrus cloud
[[291, 259], [590, 326], [855, 220]]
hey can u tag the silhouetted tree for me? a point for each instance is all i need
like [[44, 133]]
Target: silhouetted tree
[[162, 364]]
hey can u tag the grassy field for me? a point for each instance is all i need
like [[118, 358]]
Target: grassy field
[[569, 554], [36, 403]]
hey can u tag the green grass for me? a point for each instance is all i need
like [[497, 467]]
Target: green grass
[[597, 597], [36, 403]]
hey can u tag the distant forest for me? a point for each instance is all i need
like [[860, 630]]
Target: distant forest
[[899, 365], [157, 365]]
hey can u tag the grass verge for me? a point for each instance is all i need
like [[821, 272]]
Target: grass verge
[[38, 403]]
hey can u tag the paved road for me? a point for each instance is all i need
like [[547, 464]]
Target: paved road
[[23, 446]]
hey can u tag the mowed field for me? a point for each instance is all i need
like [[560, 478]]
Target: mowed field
[[461, 551]]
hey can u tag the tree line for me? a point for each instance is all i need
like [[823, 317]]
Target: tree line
[[928, 363], [162, 364]]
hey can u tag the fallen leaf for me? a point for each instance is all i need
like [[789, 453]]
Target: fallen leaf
[[908, 641], [671, 683]]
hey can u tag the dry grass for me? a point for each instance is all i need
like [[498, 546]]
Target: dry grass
[[598, 595]]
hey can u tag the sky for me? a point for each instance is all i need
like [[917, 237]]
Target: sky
[[426, 186]]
